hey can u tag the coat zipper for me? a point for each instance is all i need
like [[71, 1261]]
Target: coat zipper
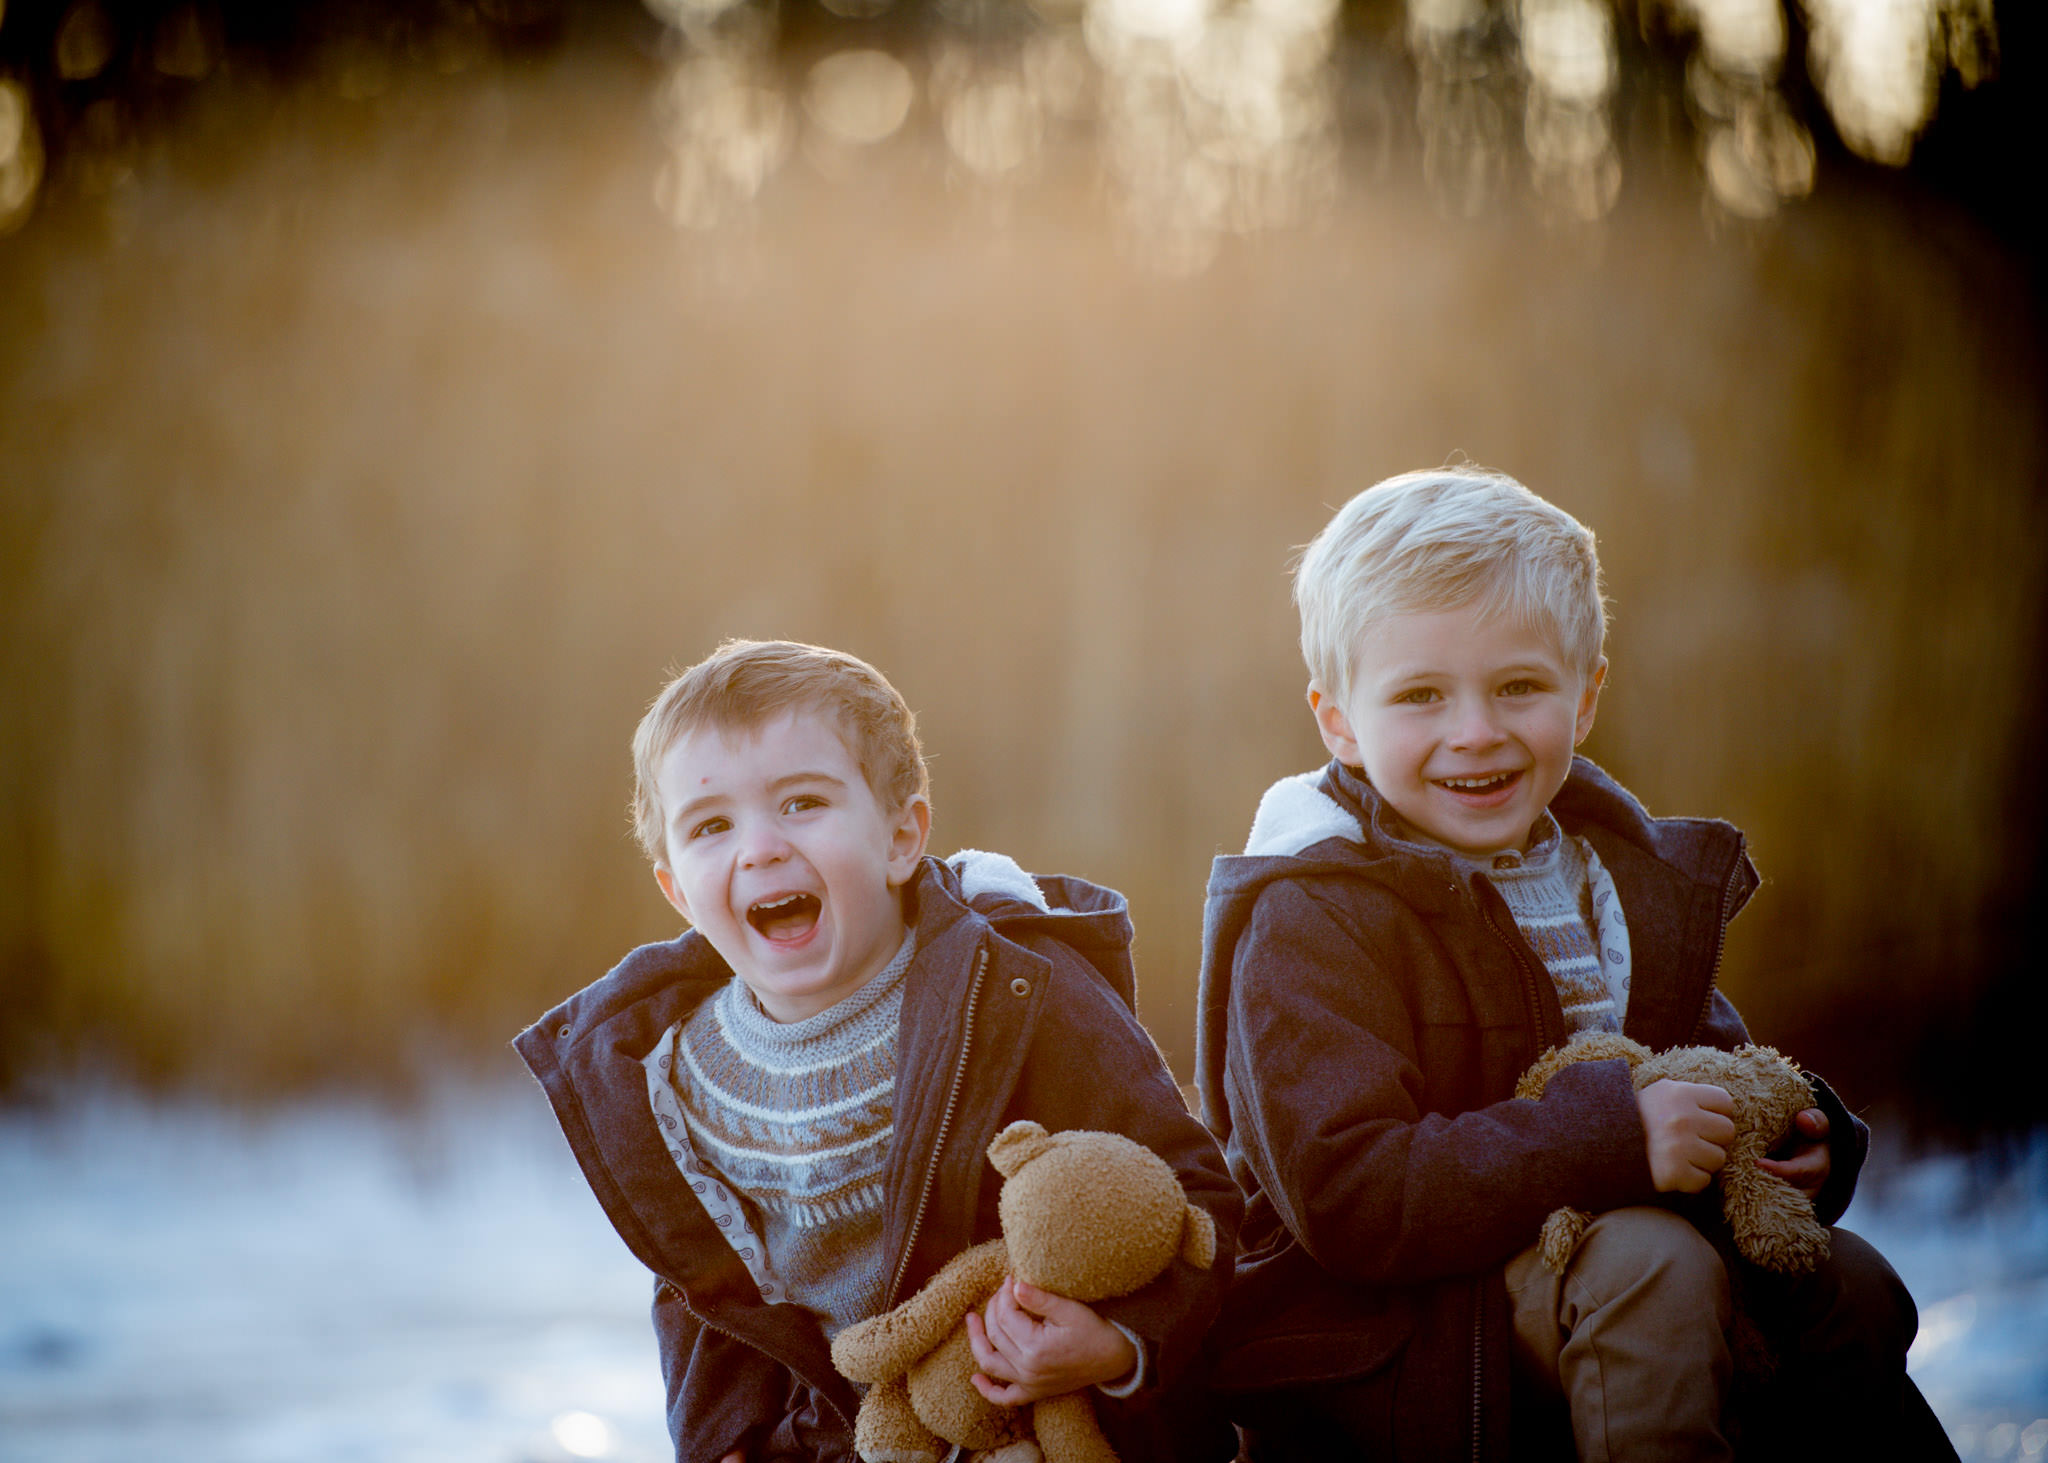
[[1534, 997], [1478, 1352], [1720, 948], [924, 1193], [1530, 993]]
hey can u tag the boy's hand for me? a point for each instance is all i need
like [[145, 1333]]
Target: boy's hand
[[1805, 1159], [1687, 1127], [1030, 1343]]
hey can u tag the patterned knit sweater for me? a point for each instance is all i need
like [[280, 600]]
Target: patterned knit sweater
[[783, 1131], [1564, 903]]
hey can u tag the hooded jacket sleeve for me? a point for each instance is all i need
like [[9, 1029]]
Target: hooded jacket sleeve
[[1329, 1031]]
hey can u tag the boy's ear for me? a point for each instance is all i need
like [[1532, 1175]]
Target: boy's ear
[[670, 891], [1589, 701], [913, 828], [1334, 725]]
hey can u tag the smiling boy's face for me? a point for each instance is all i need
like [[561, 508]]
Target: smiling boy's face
[[1464, 723], [778, 852]]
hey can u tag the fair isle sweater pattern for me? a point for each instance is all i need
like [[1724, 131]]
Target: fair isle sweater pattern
[[1564, 903], [783, 1132]]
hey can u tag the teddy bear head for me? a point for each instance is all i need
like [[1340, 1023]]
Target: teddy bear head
[[1090, 1215]]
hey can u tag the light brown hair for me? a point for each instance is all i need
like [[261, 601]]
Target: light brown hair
[[745, 683]]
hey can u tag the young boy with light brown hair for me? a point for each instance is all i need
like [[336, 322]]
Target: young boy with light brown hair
[[785, 1109]]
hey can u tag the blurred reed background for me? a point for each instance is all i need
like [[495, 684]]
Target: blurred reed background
[[389, 394]]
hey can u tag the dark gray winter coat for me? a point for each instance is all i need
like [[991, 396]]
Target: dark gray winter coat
[[1364, 1015], [1009, 1011]]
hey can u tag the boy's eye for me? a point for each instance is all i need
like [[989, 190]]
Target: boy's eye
[[1417, 696], [1519, 688], [709, 826], [803, 802]]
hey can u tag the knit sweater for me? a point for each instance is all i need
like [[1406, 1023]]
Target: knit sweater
[[1565, 906], [783, 1131]]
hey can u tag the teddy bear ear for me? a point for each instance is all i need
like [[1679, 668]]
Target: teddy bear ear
[[1198, 1238], [1017, 1145]]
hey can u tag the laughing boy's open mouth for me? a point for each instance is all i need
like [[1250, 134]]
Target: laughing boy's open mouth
[[785, 917]]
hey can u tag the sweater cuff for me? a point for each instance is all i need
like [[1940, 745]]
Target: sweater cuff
[[1131, 1381]]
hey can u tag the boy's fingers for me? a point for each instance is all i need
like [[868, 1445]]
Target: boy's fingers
[[987, 1355], [1811, 1123], [1707, 1095], [1007, 1322], [1043, 1304], [1003, 1394]]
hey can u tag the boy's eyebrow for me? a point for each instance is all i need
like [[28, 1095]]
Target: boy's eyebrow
[[689, 806], [1403, 675], [791, 779]]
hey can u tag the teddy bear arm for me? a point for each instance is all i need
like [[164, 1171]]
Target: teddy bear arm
[[1773, 1223], [885, 1345], [1068, 1432]]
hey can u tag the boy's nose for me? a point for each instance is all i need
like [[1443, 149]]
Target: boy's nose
[[1474, 726], [762, 845]]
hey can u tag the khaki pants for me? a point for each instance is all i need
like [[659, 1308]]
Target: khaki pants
[[1634, 1334]]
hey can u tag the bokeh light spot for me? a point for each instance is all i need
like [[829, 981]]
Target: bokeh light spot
[[584, 1434], [85, 41], [859, 96], [187, 43], [993, 126], [728, 130], [21, 155]]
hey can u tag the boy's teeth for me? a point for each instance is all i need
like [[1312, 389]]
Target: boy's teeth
[[786, 917], [1474, 781]]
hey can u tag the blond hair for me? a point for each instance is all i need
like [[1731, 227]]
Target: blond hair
[[744, 683], [1443, 539]]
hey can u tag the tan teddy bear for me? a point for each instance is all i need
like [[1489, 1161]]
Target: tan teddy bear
[[1772, 1223], [1085, 1215]]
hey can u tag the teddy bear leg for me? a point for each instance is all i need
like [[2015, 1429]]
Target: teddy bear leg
[[887, 1431], [1068, 1432], [1772, 1222], [1561, 1234]]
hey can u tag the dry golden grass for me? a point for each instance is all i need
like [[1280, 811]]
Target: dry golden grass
[[366, 465]]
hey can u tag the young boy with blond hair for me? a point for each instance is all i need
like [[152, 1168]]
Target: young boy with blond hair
[[1407, 930], [785, 1110]]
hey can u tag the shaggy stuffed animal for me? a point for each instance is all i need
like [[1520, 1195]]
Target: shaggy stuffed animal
[[1085, 1215], [1772, 1223]]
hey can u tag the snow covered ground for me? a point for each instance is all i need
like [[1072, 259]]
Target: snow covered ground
[[327, 1284]]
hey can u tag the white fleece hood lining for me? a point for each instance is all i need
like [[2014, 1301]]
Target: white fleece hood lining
[[1296, 814], [981, 872]]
